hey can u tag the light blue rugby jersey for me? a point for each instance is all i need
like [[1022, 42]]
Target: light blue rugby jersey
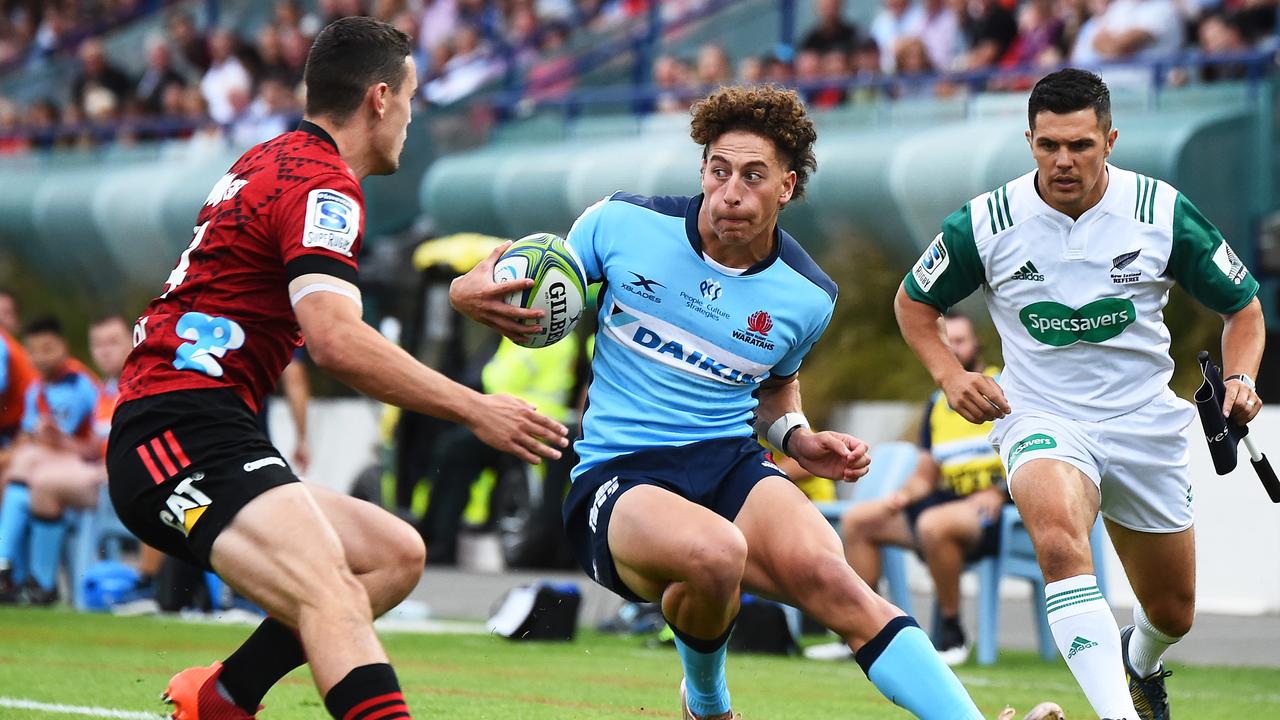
[[682, 345]]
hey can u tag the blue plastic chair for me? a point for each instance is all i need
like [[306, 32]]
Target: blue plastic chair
[[98, 534], [891, 464], [1017, 557]]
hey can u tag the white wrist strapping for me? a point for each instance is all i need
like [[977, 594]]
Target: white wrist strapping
[[780, 430]]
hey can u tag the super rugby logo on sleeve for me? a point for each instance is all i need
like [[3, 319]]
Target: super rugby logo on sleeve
[[932, 263], [333, 221]]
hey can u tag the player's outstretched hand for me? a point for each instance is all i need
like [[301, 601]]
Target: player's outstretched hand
[[976, 397], [515, 427], [478, 297], [830, 454], [1239, 403]]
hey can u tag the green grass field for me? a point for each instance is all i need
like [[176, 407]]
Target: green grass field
[[122, 664]]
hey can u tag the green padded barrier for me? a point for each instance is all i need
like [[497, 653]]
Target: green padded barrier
[[891, 185], [61, 213]]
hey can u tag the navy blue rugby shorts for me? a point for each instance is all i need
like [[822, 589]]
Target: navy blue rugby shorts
[[716, 474]]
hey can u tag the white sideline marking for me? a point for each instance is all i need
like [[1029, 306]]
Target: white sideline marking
[[20, 704]]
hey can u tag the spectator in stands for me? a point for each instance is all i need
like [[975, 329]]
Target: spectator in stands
[[812, 81], [96, 72], [1039, 39], [10, 313], [11, 141], [158, 76], [832, 32], [1221, 33], [57, 439], [42, 123], [555, 74], [948, 509], [438, 21], [1138, 30], [940, 33], [272, 112], [751, 70], [226, 77], [897, 19], [192, 47], [865, 65], [521, 35], [271, 61], [778, 70], [990, 30], [671, 84], [16, 31], [911, 58], [470, 66], [713, 67]]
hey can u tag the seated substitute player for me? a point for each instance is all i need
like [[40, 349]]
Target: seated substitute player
[[1076, 259], [949, 508], [191, 473], [709, 304], [54, 463]]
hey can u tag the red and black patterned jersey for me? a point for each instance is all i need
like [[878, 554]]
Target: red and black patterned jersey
[[286, 208]]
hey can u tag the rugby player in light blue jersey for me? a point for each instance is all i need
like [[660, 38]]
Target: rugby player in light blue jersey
[[707, 312]]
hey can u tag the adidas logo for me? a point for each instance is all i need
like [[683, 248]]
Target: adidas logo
[[1079, 645], [1028, 272]]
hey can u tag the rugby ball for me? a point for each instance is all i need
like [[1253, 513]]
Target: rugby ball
[[559, 284]]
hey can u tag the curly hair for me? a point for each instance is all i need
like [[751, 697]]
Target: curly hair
[[769, 111]]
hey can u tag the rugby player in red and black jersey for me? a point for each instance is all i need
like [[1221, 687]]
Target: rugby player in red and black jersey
[[273, 262]]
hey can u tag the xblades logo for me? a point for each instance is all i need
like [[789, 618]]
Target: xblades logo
[[645, 283], [644, 287]]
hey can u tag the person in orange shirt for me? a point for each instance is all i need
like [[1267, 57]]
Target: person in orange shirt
[[56, 463]]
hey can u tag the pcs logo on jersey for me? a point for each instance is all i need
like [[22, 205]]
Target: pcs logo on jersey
[[932, 263], [333, 221]]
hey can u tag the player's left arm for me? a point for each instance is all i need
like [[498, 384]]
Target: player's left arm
[[1243, 337], [1202, 262], [824, 454]]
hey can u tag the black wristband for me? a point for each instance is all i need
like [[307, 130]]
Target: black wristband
[[787, 437]]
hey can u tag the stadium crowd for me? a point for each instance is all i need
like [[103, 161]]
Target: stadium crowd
[[224, 85], [922, 38]]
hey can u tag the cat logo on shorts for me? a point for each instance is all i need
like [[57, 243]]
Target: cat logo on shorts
[[186, 505]]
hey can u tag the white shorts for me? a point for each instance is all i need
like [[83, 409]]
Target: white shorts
[[1138, 460]]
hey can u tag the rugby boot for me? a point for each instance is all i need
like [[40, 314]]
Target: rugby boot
[[9, 590], [1150, 698], [33, 594], [687, 714], [194, 695]]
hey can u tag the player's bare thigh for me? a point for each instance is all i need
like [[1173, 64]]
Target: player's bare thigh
[[386, 553], [657, 537], [1058, 504], [794, 554]]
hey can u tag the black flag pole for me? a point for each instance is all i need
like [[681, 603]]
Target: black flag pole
[[1224, 436]]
